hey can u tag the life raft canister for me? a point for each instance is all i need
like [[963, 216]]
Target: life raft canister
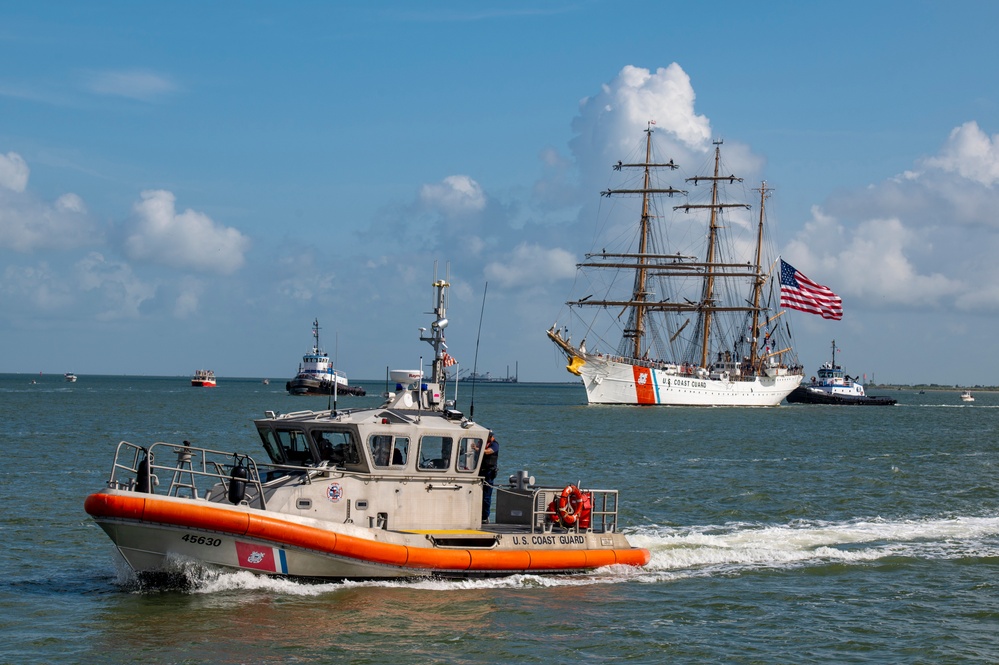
[[572, 508]]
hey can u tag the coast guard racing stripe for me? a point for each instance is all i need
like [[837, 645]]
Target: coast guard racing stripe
[[260, 557], [645, 390]]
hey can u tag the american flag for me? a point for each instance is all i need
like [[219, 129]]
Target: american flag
[[799, 292], [449, 359]]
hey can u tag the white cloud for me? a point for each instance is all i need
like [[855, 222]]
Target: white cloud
[[454, 195], [136, 84], [924, 239], [36, 288], [869, 263], [27, 224], [971, 153], [13, 172], [186, 303], [121, 292], [530, 264], [608, 123], [188, 240]]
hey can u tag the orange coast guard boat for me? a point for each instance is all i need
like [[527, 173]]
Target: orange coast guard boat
[[387, 492]]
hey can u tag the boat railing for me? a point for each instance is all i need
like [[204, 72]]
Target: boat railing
[[536, 508], [196, 473]]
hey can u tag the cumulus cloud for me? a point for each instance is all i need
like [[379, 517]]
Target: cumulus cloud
[[28, 224], [608, 122], [120, 292], [138, 84], [530, 264], [923, 239], [13, 172], [454, 195], [971, 153], [189, 240]]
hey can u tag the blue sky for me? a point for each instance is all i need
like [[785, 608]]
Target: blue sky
[[188, 185]]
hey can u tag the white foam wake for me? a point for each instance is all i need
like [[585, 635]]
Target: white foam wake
[[680, 552]]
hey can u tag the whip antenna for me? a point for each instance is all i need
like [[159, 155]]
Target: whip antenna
[[475, 362]]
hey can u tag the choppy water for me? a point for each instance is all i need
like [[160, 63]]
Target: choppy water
[[801, 534]]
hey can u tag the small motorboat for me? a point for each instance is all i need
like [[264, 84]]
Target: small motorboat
[[391, 491], [833, 386], [966, 396], [70, 377], [203, 378]]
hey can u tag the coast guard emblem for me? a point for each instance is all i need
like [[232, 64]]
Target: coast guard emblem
[[643, 378], [255, 557], [334, 492]]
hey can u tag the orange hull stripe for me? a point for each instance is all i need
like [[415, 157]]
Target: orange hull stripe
[[280, 532]]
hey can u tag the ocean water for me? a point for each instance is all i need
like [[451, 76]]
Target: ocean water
[[799, 534]]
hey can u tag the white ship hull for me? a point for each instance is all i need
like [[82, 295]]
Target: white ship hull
[[612, 382]]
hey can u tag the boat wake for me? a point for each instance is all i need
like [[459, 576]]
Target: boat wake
[[677, 553], [694, 551]]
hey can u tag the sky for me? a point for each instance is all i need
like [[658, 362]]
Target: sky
[[188, 185]]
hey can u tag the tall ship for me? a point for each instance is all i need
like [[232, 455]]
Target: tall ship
[[389, 491], [317, 376], [698, 323]]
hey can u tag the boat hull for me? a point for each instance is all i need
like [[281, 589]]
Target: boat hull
[[808, 395], [154, 534], [612, 382], [311, 386]]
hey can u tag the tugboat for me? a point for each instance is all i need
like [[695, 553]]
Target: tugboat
[[203, 378], [391, 491], [835, 387], [316, 375]]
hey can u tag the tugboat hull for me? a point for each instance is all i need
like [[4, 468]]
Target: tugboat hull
[[805, 395]]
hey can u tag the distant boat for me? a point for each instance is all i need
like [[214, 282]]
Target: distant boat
[[317, 376], [69, 376], [835, 387], [966, 396], [203, 378], [475, 377], [267, 382]]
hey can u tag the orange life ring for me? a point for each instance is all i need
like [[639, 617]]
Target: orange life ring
[[572, 506]]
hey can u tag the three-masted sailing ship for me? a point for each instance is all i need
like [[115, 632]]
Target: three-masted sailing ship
[[699, 327]]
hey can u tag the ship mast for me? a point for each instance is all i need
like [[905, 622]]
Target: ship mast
[[436, 336], [640, 274], [640, 293], [758, 283], [707, 300]]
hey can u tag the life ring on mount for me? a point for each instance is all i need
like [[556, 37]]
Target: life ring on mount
[[573, 506]]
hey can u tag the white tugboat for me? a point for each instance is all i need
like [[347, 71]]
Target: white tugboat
[[317, 376], [833, 386], [691, 334], [386, 492]]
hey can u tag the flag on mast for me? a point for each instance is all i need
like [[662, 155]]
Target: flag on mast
[[799, 292]]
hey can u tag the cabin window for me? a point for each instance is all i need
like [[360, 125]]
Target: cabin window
[[469, 450], [380, 446], [387, 450], [271, 445], [400, 451], [435, 453], [295, 447], [337, 447]]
